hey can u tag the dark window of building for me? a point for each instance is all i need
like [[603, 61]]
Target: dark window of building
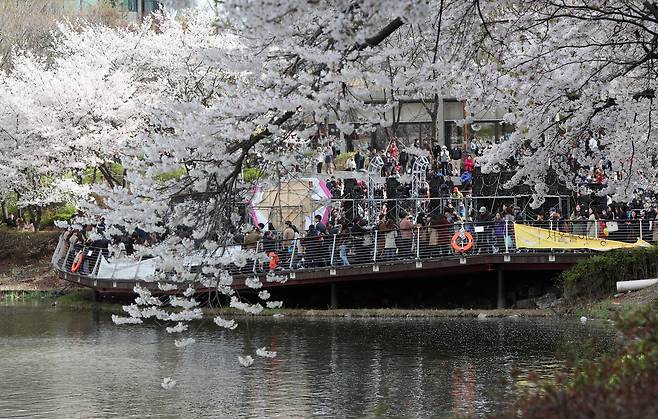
[[148, 6], [486, 132]]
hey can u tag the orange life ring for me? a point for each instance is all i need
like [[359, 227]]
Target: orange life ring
[[77, 262], [463, 247]]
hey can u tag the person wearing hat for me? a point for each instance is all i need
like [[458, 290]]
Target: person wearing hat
[[484, 239], [456, 196]]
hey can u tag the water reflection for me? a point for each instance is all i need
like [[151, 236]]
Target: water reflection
[[78, 364]]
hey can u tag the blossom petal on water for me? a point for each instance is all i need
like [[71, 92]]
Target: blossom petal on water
[[168, 383], [228, 324], [263, 352], [245, 361], [264, 295], [181, 343]]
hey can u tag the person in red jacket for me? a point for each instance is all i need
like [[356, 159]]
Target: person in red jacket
[[469, 163]]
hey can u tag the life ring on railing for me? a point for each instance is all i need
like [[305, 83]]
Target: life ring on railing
[[77, 262], [465, 241]]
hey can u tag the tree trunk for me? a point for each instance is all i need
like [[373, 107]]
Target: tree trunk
[[434, 116], [5, 213], [38, 212], [19, 210]]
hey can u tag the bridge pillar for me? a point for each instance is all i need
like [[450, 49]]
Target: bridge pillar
[[501, 289], [334, 298]]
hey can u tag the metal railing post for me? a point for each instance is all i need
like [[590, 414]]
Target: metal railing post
[[596, 229], [374, 253], [333, 250], [418, 243], [506, 236], [640, 221]]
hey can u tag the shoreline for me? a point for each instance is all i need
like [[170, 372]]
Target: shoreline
[[82, 299]]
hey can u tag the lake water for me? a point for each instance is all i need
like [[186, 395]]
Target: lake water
[[60, 363]]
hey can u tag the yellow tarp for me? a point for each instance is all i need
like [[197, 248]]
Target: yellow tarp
[[528, 237]]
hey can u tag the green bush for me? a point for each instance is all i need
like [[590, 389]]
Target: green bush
[[341, 159], [597, 276], [252, 174]]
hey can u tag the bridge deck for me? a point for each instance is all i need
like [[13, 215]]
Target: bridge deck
[[433, 251], [398, 269]]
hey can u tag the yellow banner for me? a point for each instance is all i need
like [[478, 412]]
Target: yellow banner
[[528, 237]]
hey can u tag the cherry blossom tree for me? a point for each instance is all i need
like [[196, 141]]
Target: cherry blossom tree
[[184, 103], [567, 72]]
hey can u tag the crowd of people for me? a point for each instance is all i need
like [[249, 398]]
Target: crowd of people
[[94, 241], [338, 241]]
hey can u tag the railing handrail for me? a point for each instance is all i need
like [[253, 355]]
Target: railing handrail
[[368, 247]]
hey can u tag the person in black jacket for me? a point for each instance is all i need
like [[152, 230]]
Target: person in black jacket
[[456, 160], [359, 160], [484, 240]]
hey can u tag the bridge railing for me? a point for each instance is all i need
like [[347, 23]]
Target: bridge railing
[[381, 245]]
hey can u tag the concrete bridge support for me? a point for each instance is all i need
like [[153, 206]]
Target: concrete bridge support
[[501, 289], [334, 298]]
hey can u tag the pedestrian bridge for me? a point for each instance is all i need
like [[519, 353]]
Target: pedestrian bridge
[[368, 256]]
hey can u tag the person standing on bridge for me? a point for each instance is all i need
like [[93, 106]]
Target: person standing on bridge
[[484, 239], [359, 160], [288, 236], [319, 226], [406, 236], [592, 228], [444, 159], [444, 229], [456, 160], [390, 233], [343, 244]]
